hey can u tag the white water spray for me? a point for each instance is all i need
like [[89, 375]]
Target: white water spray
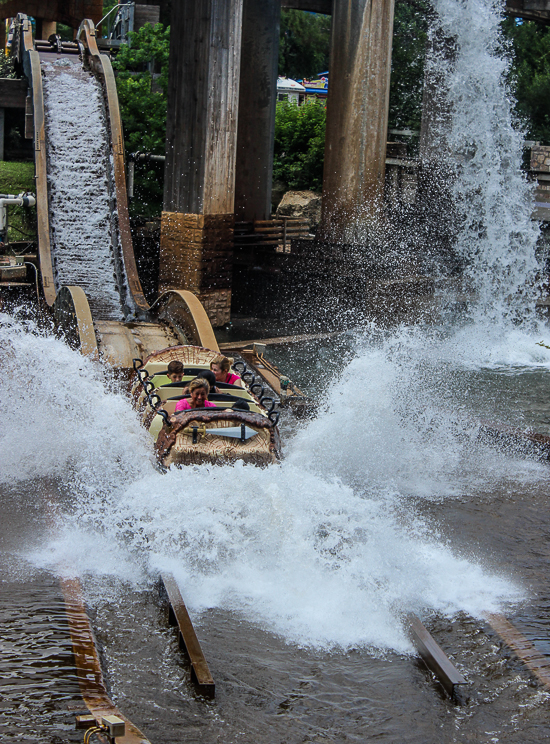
[[497, 239], [325, 551]]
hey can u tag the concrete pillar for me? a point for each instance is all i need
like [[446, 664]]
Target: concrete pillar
[[2, 133], [201, 138], [357, 118], [48, 28], [257, 101]]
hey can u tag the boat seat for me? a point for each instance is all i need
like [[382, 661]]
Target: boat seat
[[160, 368], [175, 389], [170, 405]]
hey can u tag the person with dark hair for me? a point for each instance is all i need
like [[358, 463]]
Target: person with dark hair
[[207, 374], [175, 371]]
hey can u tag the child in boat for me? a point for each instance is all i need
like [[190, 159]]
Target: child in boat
[[221, 366], [198, 392], [175, 371]]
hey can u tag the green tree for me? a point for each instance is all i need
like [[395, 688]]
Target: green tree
[[409, 50], [304, 44], [529, 76], [142, 85], [299, 145]]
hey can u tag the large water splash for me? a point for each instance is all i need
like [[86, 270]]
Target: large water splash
[[497, 238], [325, 551]]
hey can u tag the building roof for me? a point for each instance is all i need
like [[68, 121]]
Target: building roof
[[288, 85]]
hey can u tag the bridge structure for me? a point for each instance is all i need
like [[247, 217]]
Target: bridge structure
[[221, 119]]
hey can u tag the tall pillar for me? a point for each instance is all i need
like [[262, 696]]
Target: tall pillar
[[2, 132], [357, 118], [201, 138], [257, 101]]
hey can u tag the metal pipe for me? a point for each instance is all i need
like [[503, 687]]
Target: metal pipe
[[132, 159], [22, 200], [131, 171]]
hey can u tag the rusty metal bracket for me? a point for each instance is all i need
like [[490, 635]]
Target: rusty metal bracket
[[178, 615]]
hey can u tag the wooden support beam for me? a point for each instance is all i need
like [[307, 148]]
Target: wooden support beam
[[257, 101], [357, 119], [203, 94], [435, 658], [178, 615]]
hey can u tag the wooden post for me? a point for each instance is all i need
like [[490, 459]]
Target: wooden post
[[357, 118], [201, 137], [257, 100]]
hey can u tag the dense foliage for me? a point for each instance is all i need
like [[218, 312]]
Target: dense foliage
[[407, 78], [529, 75], [142, 84], [299, 145], [304, 44]]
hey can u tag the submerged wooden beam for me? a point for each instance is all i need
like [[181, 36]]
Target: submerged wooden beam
[[526, 651], [88, 669], [200, 673], [435, 658]]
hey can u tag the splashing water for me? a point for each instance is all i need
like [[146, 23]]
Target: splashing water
[[498, 238], [327, 548], [324, 551]]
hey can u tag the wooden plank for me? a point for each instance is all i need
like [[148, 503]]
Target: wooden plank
[[278, 341], [526, 651], [434, 657], [88, 667], [13, 93], [200, 673]]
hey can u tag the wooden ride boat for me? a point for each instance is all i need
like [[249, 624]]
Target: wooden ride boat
[[212, 435]]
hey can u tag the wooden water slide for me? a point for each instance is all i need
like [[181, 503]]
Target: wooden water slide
[[88, 271]]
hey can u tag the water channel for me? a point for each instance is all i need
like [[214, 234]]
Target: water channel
[[300, 576]]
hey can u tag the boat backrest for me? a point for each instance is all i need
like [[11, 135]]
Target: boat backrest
[[160, 368]]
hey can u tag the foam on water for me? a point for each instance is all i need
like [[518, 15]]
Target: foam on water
[[325, 549]]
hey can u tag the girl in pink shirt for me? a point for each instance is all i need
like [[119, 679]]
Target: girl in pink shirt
[[198, 393]]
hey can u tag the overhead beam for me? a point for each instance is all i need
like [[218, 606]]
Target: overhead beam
[[529, 10], [314, 6]]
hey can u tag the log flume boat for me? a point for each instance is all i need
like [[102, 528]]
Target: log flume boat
[[217, 435]]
